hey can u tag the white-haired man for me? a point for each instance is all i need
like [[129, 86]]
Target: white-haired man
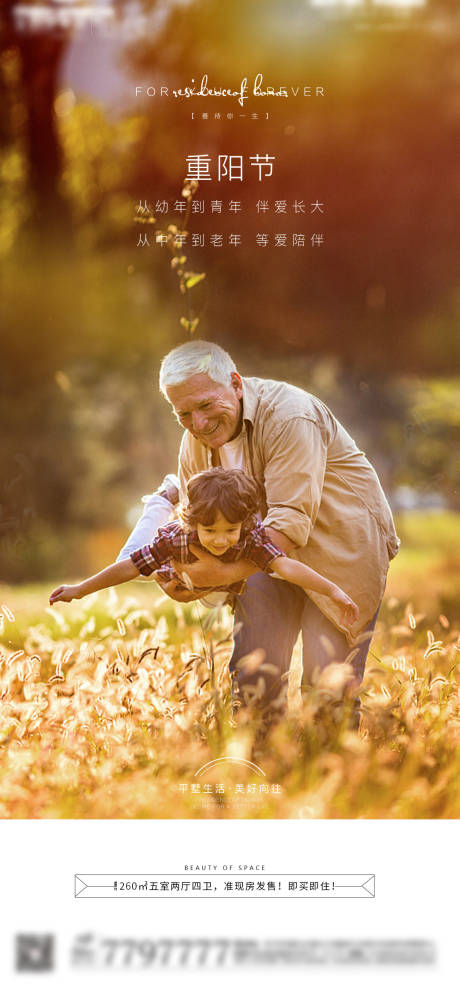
[[323, 505]]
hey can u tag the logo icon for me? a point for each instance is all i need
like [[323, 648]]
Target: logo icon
[[34, 952]]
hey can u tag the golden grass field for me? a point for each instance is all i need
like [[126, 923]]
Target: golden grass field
[[110, 707]]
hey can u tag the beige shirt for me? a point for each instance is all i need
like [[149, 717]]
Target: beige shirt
[[320, 491]]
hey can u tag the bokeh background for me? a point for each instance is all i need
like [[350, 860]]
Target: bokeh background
[[368, 321]]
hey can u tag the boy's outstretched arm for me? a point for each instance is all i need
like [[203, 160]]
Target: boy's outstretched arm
[[310, 580], [123, 570]]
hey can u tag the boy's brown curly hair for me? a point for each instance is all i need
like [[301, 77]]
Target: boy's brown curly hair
[[230, 492]]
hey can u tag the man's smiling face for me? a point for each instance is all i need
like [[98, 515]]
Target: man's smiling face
[[211, 412]]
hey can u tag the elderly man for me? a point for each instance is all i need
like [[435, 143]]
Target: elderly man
[[323, 505]]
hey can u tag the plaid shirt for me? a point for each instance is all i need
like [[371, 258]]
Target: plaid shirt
[[173, 543]]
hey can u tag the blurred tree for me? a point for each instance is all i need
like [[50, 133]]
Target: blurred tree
[[39, 54]]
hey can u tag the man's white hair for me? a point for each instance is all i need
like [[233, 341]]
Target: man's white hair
[[194, 358]]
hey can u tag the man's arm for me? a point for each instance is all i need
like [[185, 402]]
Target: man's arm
[[294, 477], [240, 570], [210, 571]]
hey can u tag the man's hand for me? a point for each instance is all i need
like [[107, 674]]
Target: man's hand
[[210, 572], [206, 572], [176, 590]]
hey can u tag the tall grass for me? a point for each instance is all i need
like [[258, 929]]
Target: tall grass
[[110, 708]]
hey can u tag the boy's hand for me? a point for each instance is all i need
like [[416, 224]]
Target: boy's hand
[[350, 611], [65, 593]]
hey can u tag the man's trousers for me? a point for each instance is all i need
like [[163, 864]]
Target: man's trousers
[[268, 618]]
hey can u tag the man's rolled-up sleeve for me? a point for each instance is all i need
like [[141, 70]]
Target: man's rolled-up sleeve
[[294, 471]]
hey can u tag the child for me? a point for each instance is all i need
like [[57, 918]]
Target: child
[[220, 517]]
